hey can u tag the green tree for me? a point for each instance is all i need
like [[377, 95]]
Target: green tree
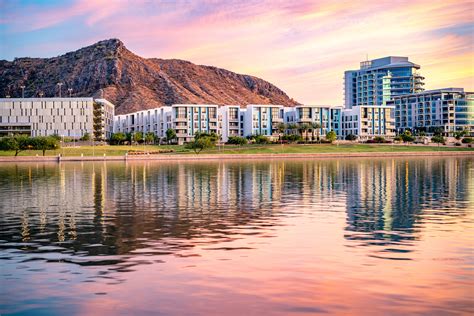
[[44, 143], [303, 128], [281, 127], [261, 139], [202, 141], [292, 127], [170, 135], [438, 139], [117, 138], [128, 137], [149, 138], [237, 140], [460, 134], [18, 143], [315, 127], [137, 137], [407, 137], [86, 137], [331, 136]]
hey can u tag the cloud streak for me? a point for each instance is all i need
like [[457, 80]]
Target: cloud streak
[[301, 46]]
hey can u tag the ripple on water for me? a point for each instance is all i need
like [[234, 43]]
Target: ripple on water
[[319, 236]]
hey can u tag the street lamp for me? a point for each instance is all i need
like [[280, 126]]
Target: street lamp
[[59, 84], [22, 91], [70, 92], [41, 93]]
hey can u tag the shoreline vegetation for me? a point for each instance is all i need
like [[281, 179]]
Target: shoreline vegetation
[[167, 152]]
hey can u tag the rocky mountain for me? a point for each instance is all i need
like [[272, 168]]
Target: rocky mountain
[[108, 69]]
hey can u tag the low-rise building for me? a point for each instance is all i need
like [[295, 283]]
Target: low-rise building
[[263, 119], [369, 121], [448, 110], [67, 117], [156, 121], [230, 121], [103, 119], [321, 118], [189, 119]]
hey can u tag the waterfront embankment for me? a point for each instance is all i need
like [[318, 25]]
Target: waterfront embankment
[[182, 157]]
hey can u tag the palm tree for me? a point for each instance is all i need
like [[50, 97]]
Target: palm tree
[[281, 129], [303, 129], [316, 126], [292, 127]]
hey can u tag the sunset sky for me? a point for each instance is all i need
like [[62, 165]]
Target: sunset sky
[[303, 47]]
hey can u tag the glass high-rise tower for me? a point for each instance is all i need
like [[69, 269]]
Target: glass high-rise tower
[[378, 80]]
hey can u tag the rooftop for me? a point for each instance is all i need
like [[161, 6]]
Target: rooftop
[[387, 62]]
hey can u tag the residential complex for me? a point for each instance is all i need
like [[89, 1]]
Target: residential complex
[[231, 124], [384, 97], [189, 119], [263, 119], [367, 122], [378, 80], [68, 117], [448, 110], [227, 120], [156, 120], [324, 118]]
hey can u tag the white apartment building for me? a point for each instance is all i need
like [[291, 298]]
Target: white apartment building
[[188, 119], [448, 110], [327, 117], [68, 117], [185, 119], [263, 119], [157, 121], [368, 121], [230, 123]]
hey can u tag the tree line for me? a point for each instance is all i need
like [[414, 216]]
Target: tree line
[[19, 143]]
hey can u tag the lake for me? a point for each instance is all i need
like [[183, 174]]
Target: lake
[[277, 237]]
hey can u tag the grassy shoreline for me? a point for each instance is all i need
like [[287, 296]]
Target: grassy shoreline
[[272, 149]]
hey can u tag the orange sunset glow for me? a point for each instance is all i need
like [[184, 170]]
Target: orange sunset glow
[[301, 46]]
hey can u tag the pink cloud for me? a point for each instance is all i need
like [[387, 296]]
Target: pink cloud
[[301, 46]]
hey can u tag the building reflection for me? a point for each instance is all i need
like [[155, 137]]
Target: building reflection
[[116, 208], [392, 195]]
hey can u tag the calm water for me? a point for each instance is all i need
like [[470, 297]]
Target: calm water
[[391, 236]]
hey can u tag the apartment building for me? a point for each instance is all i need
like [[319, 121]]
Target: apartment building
[[449, 109], [230, 123], [68, 117], [103, 119], [379, 80], [263, 119], [367, 122], [157, 121], [327, 117], [188, 119]]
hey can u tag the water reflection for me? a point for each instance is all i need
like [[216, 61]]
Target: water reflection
[[115, 208], [119, 216]]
